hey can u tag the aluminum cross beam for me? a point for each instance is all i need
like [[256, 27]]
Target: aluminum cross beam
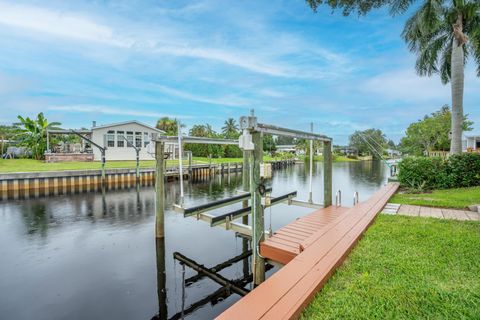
[[250, 123], [195, 140]]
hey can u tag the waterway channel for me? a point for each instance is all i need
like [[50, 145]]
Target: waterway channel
[[88, 256]]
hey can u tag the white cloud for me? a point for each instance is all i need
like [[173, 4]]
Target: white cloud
[[56, 23], [113, 111], [168, 40], [81, 28], [230, 101], [405, 85]]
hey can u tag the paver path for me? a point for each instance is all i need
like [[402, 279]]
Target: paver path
[[442, 213]]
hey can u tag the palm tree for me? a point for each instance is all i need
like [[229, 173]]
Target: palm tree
[[443, 34], [169, 125], [33, 134], [230, 129]]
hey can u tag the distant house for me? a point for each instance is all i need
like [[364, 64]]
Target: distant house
[[114, 137], [111, 136], [346, 150], [291, 148], [471, 143]]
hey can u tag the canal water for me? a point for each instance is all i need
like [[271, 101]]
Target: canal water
[[88, 256]]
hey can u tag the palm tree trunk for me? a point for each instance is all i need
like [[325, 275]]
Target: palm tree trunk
[[457, 83]]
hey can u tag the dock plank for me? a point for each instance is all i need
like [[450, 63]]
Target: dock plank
[[295, 233], [288, 291]]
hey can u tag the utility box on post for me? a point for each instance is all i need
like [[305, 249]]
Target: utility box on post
[[266, 170]]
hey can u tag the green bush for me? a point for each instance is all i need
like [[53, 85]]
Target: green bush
[[457, 171], [352, 156], [463, 170]]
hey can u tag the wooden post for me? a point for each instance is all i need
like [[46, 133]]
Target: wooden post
[[310, 199], [327, 173], [210, 165], [190, 164], [137, 168], [103, 166], [258, 224], [160, 190]]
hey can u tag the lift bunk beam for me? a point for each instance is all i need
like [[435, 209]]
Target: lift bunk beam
[[187, 212]]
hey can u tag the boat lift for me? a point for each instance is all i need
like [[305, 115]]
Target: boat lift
[[254, 190]]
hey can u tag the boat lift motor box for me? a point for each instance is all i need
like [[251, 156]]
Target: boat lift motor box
[[245, 141], [266, 170]]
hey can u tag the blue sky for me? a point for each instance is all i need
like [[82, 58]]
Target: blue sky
[[206, 61]]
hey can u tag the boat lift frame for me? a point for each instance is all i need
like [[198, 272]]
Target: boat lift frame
[[251, 176]]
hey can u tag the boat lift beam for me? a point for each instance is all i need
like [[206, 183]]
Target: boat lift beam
[[279, 131], [187, 212], [227, 220], [233, 215], [195, 140]]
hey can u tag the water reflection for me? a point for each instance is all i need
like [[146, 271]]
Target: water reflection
[[93, 255]]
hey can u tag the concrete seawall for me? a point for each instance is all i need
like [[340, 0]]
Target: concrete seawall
[[25, 185]]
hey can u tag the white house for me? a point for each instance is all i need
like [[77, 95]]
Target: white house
[[471, 143], [112, 136]]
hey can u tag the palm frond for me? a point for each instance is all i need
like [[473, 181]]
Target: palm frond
[[399, 6]]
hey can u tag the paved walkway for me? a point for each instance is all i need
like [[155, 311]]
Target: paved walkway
[[419, 211]]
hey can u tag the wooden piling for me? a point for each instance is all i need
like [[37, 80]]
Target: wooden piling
[[327, 173], [160, 190], [258, 223]]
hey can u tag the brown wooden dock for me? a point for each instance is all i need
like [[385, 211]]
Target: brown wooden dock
[[287, 292], [287, 242]]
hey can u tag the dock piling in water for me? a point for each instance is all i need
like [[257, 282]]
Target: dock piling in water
[[160, 190]]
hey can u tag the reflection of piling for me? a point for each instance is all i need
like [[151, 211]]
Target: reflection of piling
[[327, 173], [212, 275], [161, 280]]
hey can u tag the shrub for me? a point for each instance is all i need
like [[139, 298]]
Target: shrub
[[418, 173], [352, 156], [463, 170]]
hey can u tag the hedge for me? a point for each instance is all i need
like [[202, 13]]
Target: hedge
[[436, 173]]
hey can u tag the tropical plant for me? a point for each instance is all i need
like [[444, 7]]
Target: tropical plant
[[370, 141], [430, 133], [230, 129], [33, 134], [269, 143], [442, 33], [205, 150], [169, 125]]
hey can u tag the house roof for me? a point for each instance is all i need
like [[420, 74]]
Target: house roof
[[127, 122]]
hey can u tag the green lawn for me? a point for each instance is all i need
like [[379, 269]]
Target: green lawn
[[29, 165], [450, 198], [406, 268]]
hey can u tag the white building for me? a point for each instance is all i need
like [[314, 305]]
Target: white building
[[471, 143], [112, 137]]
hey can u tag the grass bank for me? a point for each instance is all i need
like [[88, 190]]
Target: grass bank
[[406, 268], [29, 165], [450, 198]]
